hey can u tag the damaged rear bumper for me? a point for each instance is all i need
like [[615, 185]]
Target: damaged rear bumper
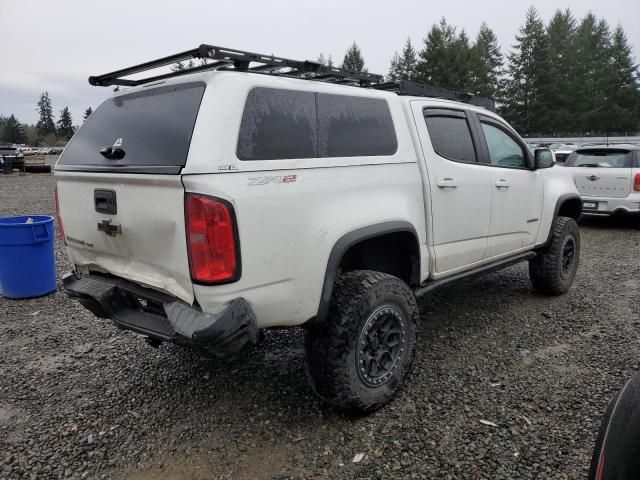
[[163, 318]]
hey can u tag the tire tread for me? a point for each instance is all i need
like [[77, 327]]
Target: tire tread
[[328, 343], [544, 270]]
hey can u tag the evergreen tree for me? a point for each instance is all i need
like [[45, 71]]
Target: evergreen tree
[[87, 113], [65, 124], [432, 66], [330, 62], [326, 61], [45, 123], [487, 63], [461, 69], [31, 134], [353, 60], [180, 66], [526, 104], [13, 131], [446, 59], [621, 91], [404, 67], [395, 70], [592, 73], [561, 94]]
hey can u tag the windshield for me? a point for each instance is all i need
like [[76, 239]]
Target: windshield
[[600, 159], [146, 131]]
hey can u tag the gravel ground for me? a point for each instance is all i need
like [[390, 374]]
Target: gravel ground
[[81, 399]]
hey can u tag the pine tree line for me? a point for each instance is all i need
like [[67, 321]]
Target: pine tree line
[[45, 131], [571, 77], [565, 77]]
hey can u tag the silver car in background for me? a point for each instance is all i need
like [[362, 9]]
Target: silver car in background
[[608, 178], [562, 152]]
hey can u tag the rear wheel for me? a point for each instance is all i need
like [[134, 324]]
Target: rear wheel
[[552, 272], [359, 356]]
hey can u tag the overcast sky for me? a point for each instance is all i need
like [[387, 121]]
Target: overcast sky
[[55, 45]]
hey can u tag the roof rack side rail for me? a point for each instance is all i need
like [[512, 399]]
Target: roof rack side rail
[[114, 78], [237, 60], [407, 87]]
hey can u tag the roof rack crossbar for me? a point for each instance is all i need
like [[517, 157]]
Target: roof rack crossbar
[[113, 78], [177, 73]]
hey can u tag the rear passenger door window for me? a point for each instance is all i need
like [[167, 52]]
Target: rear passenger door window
[[450, 134], [504, 150]]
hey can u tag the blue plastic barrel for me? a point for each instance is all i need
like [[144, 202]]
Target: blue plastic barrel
[[27, 263]]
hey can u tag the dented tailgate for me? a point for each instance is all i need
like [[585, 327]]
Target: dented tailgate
[[144, 241], [120, 193]]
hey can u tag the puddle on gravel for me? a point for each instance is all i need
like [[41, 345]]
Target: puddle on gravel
[[50, 363], [10, 422], [6, 415], [261, 462], [174, 472]]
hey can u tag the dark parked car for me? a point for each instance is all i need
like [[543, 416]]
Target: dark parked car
[[9, 154]]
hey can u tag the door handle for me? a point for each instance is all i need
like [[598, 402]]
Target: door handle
[[447, 183], [502, 183]]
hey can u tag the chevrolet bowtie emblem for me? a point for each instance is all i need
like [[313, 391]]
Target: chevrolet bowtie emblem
[[111, 230]]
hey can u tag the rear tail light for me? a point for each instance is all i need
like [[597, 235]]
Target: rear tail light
[[59, 219], [636, 182], [212, 240]]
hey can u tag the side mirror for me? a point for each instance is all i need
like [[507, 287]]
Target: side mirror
[[544, 158]]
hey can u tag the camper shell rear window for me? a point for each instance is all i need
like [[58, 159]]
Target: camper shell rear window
[[153, 127]]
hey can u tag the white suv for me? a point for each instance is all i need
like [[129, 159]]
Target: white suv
[[608, 178], [259, 192]]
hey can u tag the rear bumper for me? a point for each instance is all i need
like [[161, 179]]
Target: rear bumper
[[164, 318], [611, 205]]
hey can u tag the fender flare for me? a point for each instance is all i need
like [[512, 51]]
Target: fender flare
[[340, 248], [562, 199]]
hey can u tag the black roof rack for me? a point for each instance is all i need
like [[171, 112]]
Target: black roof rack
[[231, 59], [221, 58], [407, 87]]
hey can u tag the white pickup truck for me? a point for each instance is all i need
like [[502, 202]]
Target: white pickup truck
[[257, 191]]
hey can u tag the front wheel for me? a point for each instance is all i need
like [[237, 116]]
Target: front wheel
[[553, 270], [359, 356]]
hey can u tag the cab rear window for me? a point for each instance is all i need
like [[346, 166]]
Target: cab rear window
[[152, 127]]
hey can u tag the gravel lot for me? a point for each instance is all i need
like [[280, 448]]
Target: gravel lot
[[81, 399]]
